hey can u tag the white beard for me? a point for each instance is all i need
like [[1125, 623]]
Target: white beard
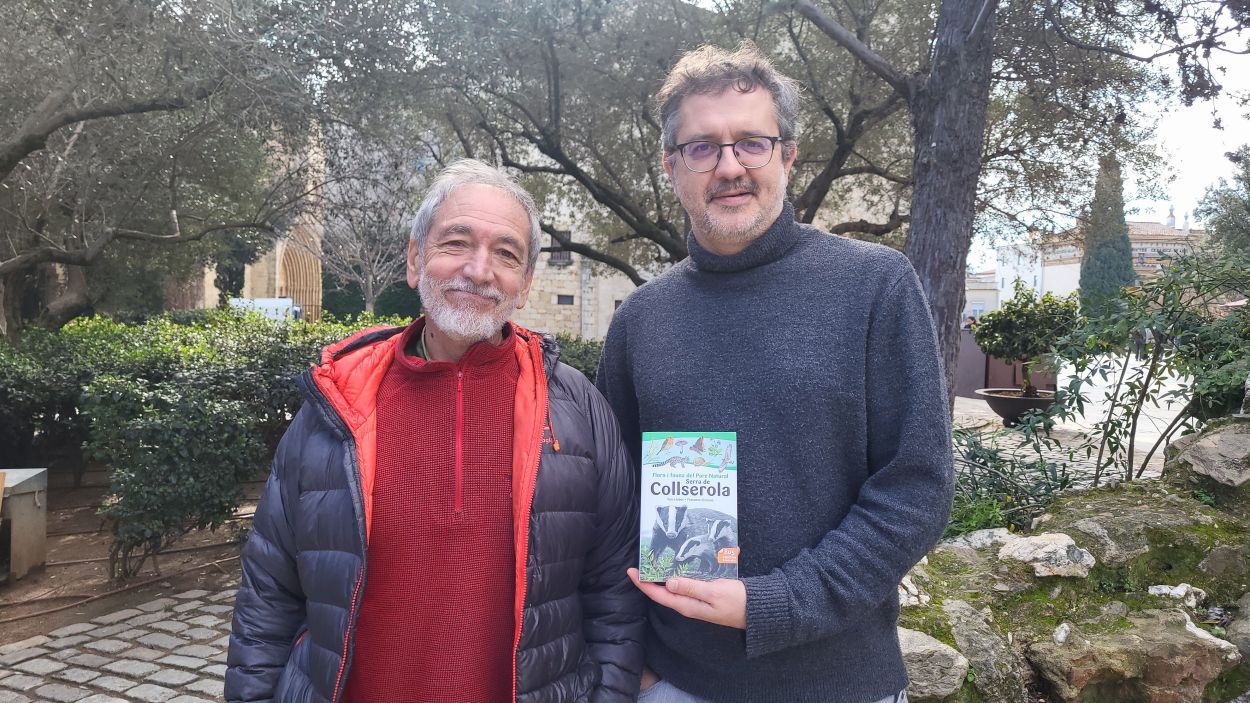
[[462, 323]]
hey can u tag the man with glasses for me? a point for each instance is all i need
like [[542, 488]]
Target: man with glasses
[[819, 352]]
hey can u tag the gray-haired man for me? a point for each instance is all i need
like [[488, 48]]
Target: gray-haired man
[[819, 353], [450, 516]]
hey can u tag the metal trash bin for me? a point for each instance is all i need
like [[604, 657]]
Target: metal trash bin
[[23, 522]]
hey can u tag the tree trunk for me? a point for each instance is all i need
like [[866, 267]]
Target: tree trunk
[[948, 119], [70, 301]]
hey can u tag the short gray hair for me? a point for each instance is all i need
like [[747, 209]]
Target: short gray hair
[[473, 172], [709, 70]]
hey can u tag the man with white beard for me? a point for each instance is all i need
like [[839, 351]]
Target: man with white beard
[[451, 515]]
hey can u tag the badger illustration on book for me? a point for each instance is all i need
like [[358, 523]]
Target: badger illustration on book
[[670, 530], [699, 551]]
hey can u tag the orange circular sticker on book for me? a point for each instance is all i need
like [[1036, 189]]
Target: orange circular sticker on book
[[727, 555]]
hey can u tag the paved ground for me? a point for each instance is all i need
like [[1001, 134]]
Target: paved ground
[[170, 650]]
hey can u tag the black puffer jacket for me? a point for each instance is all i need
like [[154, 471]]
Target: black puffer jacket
[[305, 563]]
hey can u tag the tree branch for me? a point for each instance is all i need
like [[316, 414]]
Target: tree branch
[[565, 239], [843, 36], [877, 229], [34, 132]]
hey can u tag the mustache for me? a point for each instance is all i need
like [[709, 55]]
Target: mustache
[[741, 184], [466, 286]]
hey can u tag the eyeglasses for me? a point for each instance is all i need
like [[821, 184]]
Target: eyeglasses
[[703, 156]]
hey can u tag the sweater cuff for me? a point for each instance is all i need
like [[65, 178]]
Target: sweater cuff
[[769, 625]]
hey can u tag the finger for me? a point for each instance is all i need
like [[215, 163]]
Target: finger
[[691, 588]]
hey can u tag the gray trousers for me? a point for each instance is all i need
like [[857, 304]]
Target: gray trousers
[[665, 692]]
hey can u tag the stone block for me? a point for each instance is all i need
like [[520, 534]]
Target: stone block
[[212, 687], [171, 677], [76, 674], [63, 642], [150, 693], [86, 659], [148, 619], [115, 684], [188, 606], [77, 628], [205, 621], [103, 698], [20, 682], [190, 595], [153, 606], [62, 693], [12, 697], [131, 667], [199, 634], [117, 616], [133, 633], [183, 662], [189, 699], [216, 670], [146, 654], [170, 626], [108, 646], [163, 641], [217, 609], [41, 666], [27, 643], [198, 650], [22, 655]]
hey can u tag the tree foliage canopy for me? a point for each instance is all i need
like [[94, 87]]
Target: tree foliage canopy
[[1225, 209], [1107, 254]]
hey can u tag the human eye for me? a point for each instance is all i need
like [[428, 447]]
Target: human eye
[[698, 150], [754, 145]]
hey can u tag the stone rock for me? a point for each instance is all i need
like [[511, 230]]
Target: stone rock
[[909, 594], [1226, 561], [1162, 658], [1000, 673], [1239, 631], [934, 670], [1217, 461], [1061, 633], [980, 539], [1222, 454], [1190, 595], [1050, 554]]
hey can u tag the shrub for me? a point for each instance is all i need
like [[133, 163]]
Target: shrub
[[1025, 328], [580, 353], [179, 456]]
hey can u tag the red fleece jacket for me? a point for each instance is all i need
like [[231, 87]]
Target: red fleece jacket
[[436, 620]]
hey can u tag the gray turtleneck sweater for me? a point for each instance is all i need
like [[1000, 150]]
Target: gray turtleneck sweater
[[820, 353]]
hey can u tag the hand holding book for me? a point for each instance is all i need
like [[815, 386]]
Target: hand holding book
[[720, 602]]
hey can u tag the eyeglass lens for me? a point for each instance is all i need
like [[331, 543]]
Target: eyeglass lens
[[751, 152]]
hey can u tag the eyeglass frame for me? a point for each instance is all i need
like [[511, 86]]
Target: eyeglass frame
[[720, 150]]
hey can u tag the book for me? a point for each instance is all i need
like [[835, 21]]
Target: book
[[689, 507]]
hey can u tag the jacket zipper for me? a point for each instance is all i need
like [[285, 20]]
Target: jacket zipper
[[459, 438], [353, 483], [529, 506]]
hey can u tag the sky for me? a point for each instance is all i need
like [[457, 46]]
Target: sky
[[1193, 150]]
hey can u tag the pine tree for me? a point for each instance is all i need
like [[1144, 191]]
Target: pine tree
[[1107, 261]]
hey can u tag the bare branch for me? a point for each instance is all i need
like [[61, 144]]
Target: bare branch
[[565, 239], [843, 36]]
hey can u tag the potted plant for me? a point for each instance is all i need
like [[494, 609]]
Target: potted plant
[[1023, 330]]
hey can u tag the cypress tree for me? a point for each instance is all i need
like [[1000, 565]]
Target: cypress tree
[[1107, 260]]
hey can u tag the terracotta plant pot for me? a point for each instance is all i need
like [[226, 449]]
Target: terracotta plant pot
[[1010, 405]]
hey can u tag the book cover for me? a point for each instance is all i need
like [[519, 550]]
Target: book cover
[[689, 524]]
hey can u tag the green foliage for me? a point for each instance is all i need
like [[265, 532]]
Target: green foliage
[[345, 299], [1226, 208], [179, 454], [1002, 478], [182, 407], [1025, 327], [580, 353], [1107, 257], [1193, 338], [652, 569]]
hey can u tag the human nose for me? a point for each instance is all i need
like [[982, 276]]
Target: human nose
[[728, 166], [477, 267]]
